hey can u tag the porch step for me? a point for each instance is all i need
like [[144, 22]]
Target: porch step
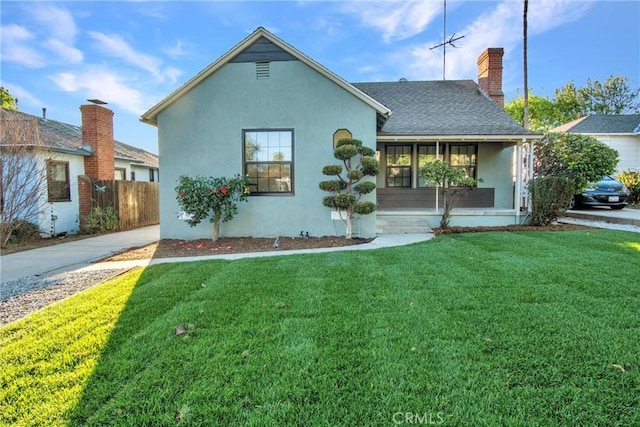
[[401, 224]]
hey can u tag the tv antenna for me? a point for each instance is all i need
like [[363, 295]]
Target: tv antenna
[[446, 42]]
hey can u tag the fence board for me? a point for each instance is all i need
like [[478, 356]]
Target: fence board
[[135, 202]]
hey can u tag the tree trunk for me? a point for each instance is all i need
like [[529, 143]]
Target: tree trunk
[[216, 230], [349, 227], [444, 222]]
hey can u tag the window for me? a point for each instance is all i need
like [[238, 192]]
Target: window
[[133, 175], [58, 188], [120, 174], [427, 154], [268, 160], [399, 165], [464, 156], [153, 175]]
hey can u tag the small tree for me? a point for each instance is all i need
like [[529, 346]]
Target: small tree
[[564, 165], [201, 197], [359, 162], [22, 173], [452, 182], [581, 158]]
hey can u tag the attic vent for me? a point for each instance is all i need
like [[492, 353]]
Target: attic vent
[[262, 70]]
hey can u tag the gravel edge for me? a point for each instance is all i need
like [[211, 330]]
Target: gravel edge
[[21, 297]]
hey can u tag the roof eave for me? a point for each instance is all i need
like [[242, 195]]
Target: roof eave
[[472, 138], [150, 117]]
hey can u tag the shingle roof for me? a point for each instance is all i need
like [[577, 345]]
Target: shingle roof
[[605, 124], [447, 108], [67, 138]]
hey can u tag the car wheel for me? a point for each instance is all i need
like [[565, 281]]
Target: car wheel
[[617, 207]]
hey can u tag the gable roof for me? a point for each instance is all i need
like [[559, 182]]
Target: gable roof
[[248, 44], [441, 109], [603, 124], [66, 138]]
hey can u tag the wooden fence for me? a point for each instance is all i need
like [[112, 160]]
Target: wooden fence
[[136, 203]]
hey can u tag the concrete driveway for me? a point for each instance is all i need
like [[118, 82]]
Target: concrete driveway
[[624, 216], [73, 255]]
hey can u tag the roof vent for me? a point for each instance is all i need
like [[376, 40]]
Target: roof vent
[[402, 79], [262, 70]]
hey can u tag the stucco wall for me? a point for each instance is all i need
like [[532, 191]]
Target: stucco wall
[[66, 213], [495, 167], [201, 134]]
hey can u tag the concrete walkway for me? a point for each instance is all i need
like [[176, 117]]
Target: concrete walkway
[[381, 241], [80, 255], [73, 255]]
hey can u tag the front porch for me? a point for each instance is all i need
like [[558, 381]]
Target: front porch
[[423, 220]]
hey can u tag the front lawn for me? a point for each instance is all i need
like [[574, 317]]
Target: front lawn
[[530, 328]]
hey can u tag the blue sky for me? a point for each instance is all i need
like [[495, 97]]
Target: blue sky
[[133, 54]]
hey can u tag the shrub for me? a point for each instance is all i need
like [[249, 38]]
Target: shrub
[[101, 220], [23, 230], [631, 180], [216, 198], [550, 197], [581, 158], [359, 163]]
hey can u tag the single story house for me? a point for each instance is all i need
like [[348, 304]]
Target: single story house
[[266, 110], [71, 152], [619, 131]]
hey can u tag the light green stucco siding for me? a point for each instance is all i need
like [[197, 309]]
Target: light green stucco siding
[[495, 167], [201, 134]]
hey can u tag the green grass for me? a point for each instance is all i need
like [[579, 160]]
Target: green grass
[[474, 329]]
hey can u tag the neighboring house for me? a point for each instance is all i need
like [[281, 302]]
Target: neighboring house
[[619, 131], [72, 153], [266, 110]]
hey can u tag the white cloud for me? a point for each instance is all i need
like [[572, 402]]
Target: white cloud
[[116, 46], [61, 31], [16, 46], [68, 53], [101, 83], [58, 23], [396, 19]]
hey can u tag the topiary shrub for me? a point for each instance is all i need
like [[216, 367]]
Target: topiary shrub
[[359, 163], [550, 196], [101, 220], [631, 180]]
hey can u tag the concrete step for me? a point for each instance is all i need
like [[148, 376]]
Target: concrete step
[[402, 224]]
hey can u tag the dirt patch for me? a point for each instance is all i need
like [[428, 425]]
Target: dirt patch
[[169, 248], [552, 227]]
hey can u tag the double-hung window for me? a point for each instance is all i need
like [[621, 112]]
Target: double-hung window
[[268, 160], [464, 156], [399, 165], [58, 188]]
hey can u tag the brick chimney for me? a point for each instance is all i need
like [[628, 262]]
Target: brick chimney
[[97, 133], [490, 73]]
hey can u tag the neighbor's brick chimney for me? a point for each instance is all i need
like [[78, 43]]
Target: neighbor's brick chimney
[[97, 133], [490, 73]]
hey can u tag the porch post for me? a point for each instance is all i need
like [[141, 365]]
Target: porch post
[[530, 176], [518, 189], [437, 158]]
